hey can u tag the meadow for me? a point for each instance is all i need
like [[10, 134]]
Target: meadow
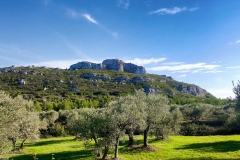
[[176, 148]]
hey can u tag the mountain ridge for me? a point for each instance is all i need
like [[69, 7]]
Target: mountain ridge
[[110, 64], [96, 87]]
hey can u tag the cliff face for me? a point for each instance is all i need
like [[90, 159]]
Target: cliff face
[[193, 90], [110, 64], [86, 65]]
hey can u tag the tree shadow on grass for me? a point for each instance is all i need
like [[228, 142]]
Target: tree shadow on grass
[[136, 142], [48, 142], [225, 146], [74, 155]]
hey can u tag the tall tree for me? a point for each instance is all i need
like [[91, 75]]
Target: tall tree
[[236, 91], [18, 121], [156, 110], [126, 115], [168, 124]]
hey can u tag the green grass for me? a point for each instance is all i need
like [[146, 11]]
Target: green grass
[[177, 148]]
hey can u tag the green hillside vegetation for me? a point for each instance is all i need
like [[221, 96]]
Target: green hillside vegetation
[[65, 89]]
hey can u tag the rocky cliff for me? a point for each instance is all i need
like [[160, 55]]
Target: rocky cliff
[[110, 64], [86, 65], [193, 90]]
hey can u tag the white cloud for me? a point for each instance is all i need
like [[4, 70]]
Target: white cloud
[[89, 18], [183, 75], [75, 15], [194, 68], [193, 9], [63, 64], [221, 93], [123, 3], [233, 67], [173, 63], [72, 13], [174, 10], [232, 43], [139, 61], [213, 71]]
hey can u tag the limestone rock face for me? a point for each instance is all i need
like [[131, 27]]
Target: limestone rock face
[[85, 65], [193, 90], [111, 64], [132, 68], [148, 89]]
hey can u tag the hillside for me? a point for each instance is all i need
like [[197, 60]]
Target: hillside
[[58, 89]]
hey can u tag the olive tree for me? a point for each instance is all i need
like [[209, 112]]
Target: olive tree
[[138, 112], [18, 121], [197, 112], [233, 121], [72, 117], [126, 115], [168, 124], [4, 141], [29, 128], [236, 91], [156, 110], [49, 118], [90, 124]]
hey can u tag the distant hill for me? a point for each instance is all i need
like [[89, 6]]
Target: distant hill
[[58, 89]]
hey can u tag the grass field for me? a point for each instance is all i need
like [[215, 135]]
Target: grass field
[[177, 148]]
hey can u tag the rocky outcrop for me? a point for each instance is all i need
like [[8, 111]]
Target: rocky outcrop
[[118, 79], [86, 65], [111, 64], [148, 89], [122, 79], [22, 82], [94, 76], [132, 68], [193, 90]]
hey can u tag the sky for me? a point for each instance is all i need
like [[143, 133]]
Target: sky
[[193, 41]]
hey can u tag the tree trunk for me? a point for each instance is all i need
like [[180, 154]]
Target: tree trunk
[[116, 148], [22, 144], [130, 139], [99, 152], [145, 140], [105, 152], [14, 143]]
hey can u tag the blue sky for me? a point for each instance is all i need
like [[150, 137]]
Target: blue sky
[[194, 41]]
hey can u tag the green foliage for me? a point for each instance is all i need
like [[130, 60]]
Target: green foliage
[[18, 122], [197, 112], [192, 129], [233, 123], [37, 106], [236, 91], [53, 89], [169, 124]]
